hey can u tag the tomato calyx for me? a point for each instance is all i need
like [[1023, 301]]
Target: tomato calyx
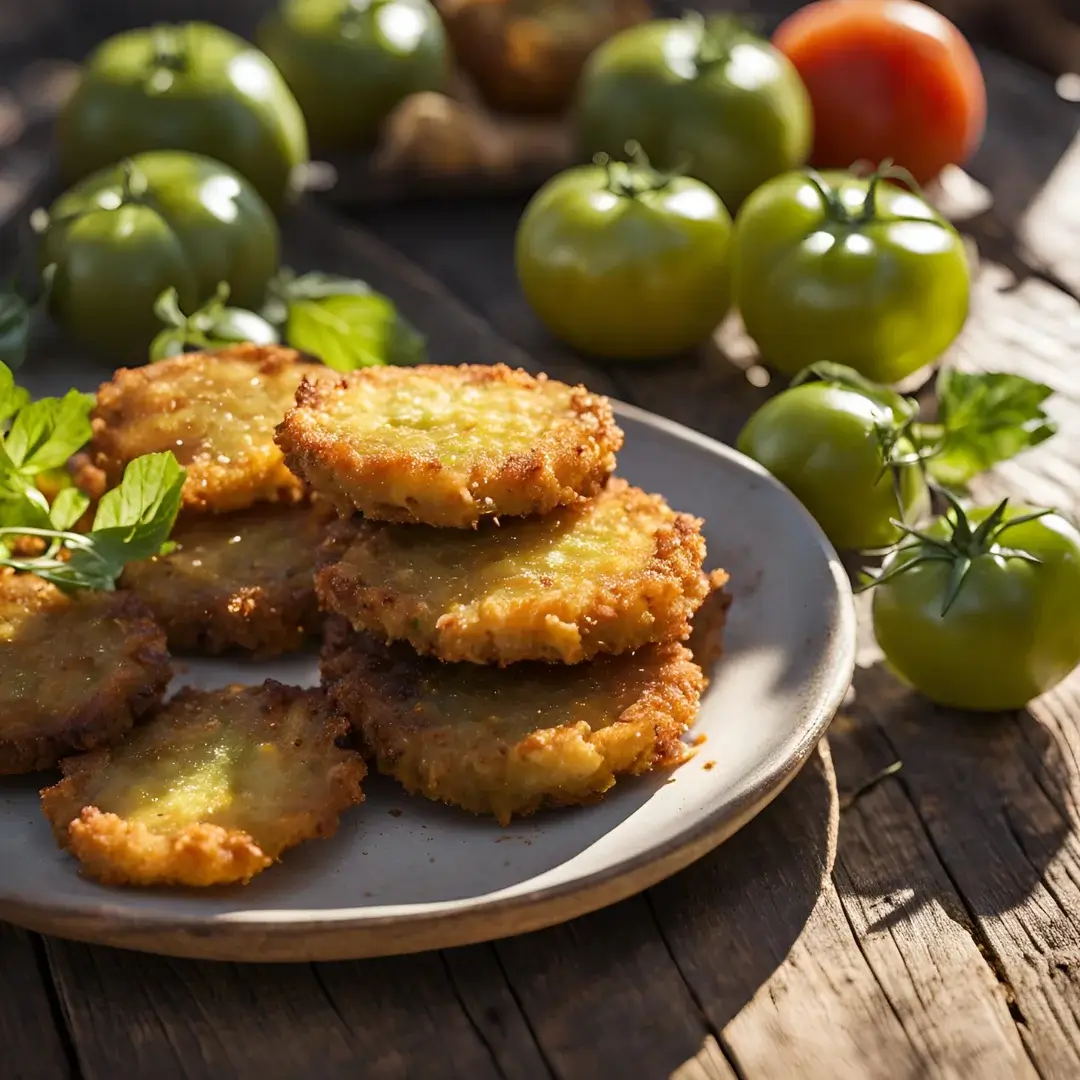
[[717, 37], [636, 177], [171, 55], [960, 548], [839, 212], [354, 12]]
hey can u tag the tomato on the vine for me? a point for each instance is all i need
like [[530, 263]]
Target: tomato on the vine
[[981, 610], [623, 262], [888, 79], [853, 270], [839, 445]]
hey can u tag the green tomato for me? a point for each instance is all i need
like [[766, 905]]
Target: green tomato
[[701, 94], [824, 442], [122, 236], [189, 87], [623, 263], [847, 269], [349, 62], [1012, 629]]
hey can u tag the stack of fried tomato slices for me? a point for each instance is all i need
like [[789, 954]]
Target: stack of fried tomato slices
[[508, 618], [505, 623]]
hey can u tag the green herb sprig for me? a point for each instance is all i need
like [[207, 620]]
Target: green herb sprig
[[133, 521]]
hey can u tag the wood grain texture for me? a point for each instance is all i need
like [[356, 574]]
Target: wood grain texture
[[603, 995], [496, 1014], [913, 927], [133, 1015], [31, 1044], [758, 932]]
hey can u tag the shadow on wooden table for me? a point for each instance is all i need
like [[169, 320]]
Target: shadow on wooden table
[[991, 794]]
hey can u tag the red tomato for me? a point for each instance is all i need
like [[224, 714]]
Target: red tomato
[[888, 79]]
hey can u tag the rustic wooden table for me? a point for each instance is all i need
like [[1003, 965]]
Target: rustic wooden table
[[930, 928]]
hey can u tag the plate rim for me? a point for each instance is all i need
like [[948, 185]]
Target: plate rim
[[348, 933]]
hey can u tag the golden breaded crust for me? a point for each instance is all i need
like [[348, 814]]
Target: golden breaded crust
[[448, 446], [508, 741], [76, 670], [607, 575], [241, 580], [209, 791], [215, 411]]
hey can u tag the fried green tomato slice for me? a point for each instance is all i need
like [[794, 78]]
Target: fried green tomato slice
[[216, 411], [76, 670], [508, 741], [448, 446], [236, 581], [210, 791], [606, 575]]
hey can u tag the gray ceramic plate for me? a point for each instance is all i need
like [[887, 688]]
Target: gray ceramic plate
[[404, 874]]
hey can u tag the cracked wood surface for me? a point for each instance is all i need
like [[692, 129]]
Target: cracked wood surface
[[932, 928]]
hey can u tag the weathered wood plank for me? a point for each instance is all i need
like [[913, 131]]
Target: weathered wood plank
[[405, 1019], [993, 793], [603, 996], [759, 934], [136, 1015], [495, 1013], [30, 1040], [913, 927]]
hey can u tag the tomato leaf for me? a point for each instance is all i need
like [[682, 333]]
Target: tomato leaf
[[839, 375], [354, 331], [986, 418]]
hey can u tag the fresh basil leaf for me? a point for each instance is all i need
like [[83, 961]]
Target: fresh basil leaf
[[46, 433], [14, 329], [353, 331], [840, 375], [986, 418], [69, 505]]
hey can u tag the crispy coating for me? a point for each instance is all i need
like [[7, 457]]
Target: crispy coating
[[76, 670], [508, 741], [607, 575], [241, 580], [210, 791], [215, 411], [447, 446]]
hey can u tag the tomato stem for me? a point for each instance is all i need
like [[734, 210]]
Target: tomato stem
[[170, 48], [716, 36], [960, 548], [636, 177]]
